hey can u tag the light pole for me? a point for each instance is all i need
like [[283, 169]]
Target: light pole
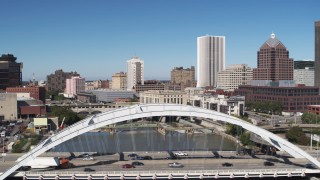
[[3, 153]]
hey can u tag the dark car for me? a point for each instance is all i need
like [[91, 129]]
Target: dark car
[[137, 158], [132, 155], [83, 155], [227, 164], [309, 166], [137, 163], [128, 166], [147, 158], [173, 157], [268, 163], [24, 168], [88, 170]]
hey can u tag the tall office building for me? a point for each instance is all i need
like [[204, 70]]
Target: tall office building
[[210, 59], [135, 72], [74, 85], [317, 54], [10, 71], [273, 61]]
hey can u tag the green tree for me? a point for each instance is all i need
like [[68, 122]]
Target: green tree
[[62, 112], [296, 135], [245, 138], [310, 118]]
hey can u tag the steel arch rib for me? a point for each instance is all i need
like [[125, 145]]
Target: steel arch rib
[[148, 110]]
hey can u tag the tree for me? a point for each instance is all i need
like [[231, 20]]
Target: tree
[[62, 112], [245, 138], [296, 135], [310, 118]]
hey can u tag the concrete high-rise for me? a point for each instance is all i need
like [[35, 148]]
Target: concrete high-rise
[[210, 59], [317, 54], [10, 71], [273, 61], [74, 85], [135, 72]]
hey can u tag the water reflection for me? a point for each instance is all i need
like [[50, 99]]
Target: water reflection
[[144, 139]]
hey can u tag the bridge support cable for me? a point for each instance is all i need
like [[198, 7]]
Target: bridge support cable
[[149, 110]]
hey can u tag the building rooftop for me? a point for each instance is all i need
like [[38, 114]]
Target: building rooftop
[[273, 41]]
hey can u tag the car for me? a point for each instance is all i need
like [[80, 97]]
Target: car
[[180, 153], [128, 166], [268, 163], [175, 165], [88, 158], [147, 157], [173, 157], [226, 164], [24, 168], [84, 155], [88, 170], [132, 155], [137, 163], [137, 158], [309, 166], [217, 156]]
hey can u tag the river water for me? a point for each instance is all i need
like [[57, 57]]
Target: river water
[[144, 139]]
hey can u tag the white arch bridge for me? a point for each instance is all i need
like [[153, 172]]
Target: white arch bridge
[[149, 110]]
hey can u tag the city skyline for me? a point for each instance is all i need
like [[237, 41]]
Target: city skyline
[[96, 39]]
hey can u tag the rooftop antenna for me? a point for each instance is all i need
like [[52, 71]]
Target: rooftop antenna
[[33, 79]]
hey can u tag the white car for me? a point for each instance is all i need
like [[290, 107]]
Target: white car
[[175, 165], [181, 154], [88, 158]]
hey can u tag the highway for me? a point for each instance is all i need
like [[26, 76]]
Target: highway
[[196, 160]]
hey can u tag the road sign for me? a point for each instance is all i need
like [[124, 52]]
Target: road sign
[[315, 137], [4, 154]]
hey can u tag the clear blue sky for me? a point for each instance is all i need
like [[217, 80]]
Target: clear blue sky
[[96, 38]]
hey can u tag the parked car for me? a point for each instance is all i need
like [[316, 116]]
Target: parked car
[[180, 153], [175, 165], [132, 155], [88, 170], [268, 163], [226, 164], [128, 166], [137, 163]]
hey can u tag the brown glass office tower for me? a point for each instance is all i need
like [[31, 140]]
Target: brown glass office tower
[[317, 54], [10, 71], [273, 61]]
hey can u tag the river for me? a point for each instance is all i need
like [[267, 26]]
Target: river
[[144, 139]]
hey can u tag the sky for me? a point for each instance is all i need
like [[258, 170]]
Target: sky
[[96, 38]]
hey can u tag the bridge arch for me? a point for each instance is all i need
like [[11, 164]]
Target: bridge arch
[[148, 110]]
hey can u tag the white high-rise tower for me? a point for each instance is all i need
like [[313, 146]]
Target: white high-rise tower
[[135, 72], [211, 59]]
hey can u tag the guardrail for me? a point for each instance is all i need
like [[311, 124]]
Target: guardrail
[[166, 174]]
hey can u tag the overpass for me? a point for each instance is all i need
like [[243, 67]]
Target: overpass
[[149, 110]]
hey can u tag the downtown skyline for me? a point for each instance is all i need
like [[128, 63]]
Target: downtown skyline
[[97, 38]]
